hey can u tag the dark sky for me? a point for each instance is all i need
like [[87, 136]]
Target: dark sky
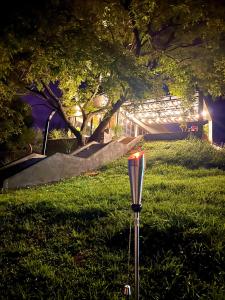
[[40, 113], [218, 115]]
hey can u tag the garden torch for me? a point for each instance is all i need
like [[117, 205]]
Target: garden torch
[[136, 174]]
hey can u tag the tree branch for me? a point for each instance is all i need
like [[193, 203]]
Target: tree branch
[[50, 92], [43, 97], [193, 44], [163, 28], [96, 135]]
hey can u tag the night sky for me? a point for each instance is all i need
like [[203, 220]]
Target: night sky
[[218, 116], [41, 110]]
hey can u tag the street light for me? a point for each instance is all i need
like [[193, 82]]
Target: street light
[[46, 131], [136, 164]]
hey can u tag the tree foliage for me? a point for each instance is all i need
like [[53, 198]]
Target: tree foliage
[[124, 49]]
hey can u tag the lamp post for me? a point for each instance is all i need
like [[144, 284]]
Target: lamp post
[[46, 131], [136, 174]]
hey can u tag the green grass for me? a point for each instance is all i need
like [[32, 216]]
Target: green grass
[[70, 240]]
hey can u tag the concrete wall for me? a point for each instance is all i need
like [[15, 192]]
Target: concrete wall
[[61, 166]]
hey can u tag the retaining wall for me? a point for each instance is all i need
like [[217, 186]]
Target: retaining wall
[[61, 166]]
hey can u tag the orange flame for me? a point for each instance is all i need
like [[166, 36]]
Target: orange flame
[[136, 155]]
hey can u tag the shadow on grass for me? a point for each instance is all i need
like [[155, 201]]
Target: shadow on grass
[[178, 261], [53, 215], [46, 252], [45, 226]]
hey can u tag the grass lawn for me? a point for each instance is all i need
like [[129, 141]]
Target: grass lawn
[[70, 240]]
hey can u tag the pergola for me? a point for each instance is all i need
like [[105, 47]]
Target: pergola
[[167, 110], [166, 115]]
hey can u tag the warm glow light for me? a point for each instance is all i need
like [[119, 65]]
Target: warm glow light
[[204, 113], [136, 155]]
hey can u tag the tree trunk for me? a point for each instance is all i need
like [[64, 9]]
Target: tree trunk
[[96, 136], [55, 102], [77, 133], [86, 119]]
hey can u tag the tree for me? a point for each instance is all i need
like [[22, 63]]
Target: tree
[[77, 54], [182, 44], [15, 124], [123, 49], [181, 41]]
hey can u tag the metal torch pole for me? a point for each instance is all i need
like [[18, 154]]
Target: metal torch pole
[[136, 254], [136, 174]]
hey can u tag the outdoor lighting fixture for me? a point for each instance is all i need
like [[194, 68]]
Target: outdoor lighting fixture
[[136, 164], [204, 113], [46, 132]]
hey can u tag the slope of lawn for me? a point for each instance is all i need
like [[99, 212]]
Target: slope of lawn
[[70, 240]]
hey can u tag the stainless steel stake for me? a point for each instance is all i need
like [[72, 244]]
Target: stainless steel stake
[[136, 254]]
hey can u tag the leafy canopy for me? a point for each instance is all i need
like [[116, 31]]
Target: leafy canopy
[[118, 48]]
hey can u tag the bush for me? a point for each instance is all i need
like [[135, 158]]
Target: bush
[[58, 134], [38, 141], [17, 147], [117, 130]]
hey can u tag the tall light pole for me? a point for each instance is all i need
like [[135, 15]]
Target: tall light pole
[[46, 131], [136, 166]]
